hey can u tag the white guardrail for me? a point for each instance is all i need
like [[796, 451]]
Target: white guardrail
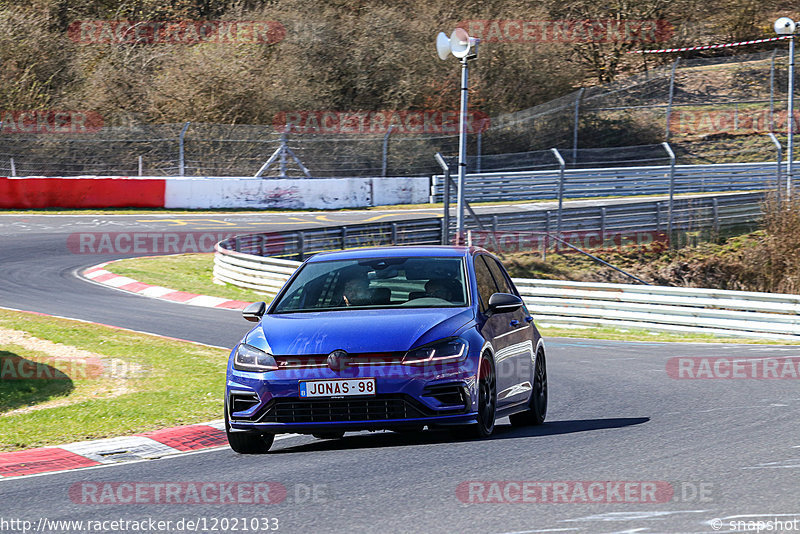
[[563, 303]]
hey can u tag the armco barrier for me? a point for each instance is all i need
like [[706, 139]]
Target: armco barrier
[[582, 304], [621, 181]]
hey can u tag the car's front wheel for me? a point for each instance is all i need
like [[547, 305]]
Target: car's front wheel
[[247, 442], [537, 405], [487, 402]]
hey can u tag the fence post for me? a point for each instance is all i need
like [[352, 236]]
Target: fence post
[[778, 167], [671, 188], [562, 166], [140, 165], [575, 125], [13, 168], [385, 167], [772, 90], [446, 198], [181, 162], [671, 95]]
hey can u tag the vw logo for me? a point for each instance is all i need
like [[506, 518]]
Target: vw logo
[[337, 360]]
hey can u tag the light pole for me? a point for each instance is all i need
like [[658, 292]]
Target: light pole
[[463, 47], [786, 26]]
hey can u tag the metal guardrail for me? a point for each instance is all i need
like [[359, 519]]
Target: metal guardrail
[[676, 309], [581, 304], [714, 213], [621, 181]]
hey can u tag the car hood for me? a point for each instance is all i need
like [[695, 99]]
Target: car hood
[[356, 331]]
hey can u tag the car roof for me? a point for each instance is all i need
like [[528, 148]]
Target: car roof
[[425, 251]]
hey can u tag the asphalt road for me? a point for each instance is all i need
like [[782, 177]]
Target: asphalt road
[[728, 449]]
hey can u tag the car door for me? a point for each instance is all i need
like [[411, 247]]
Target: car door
[[506, 332], [518, 358]]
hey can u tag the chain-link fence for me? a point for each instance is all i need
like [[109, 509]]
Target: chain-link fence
[[710, 110]]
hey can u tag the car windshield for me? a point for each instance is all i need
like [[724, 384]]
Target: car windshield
[[419, 282]]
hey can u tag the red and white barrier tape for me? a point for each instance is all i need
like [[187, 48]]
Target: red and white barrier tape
[[709, 47]]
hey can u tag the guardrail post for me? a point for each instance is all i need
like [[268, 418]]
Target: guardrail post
[[237, 244], [494, 223], [263, 245], [603, 225], [562, 166], [671, 95], [394, 233], [715, 211], [344, 237], [658, 216], [778, 168], [546, 231], [671, 184], [301, 245]]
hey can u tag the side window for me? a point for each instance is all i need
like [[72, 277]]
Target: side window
[[486, 287], [503, 285]]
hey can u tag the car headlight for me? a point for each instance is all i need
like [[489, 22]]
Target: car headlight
[[450, 350], [249, 358]]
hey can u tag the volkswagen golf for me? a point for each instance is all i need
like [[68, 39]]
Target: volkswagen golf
[[396, 338]]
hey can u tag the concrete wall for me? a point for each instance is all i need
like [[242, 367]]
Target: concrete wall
[[199, 193]]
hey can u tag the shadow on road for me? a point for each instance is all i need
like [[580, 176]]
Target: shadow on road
[[431, 437]]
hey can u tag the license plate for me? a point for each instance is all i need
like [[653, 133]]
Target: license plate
[[337, 388]]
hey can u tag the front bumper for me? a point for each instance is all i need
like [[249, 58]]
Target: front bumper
[[270, 402]]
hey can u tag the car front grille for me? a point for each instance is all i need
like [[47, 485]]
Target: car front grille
[[339, 410]]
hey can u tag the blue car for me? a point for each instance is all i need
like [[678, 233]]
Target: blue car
[[395, 338]]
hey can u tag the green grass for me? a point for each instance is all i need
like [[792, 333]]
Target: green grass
[[180, 383], [19, 392], [182, 272]]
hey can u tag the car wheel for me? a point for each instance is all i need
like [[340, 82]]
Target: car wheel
[[329, 435], [537, 405], [247, 442], [487, 403]]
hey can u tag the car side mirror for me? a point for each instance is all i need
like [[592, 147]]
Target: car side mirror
[[253, 312], [504, 303]]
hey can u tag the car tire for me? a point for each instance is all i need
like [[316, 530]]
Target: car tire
[[537, 404], [328, 435], [487, 403], [247, 442]]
